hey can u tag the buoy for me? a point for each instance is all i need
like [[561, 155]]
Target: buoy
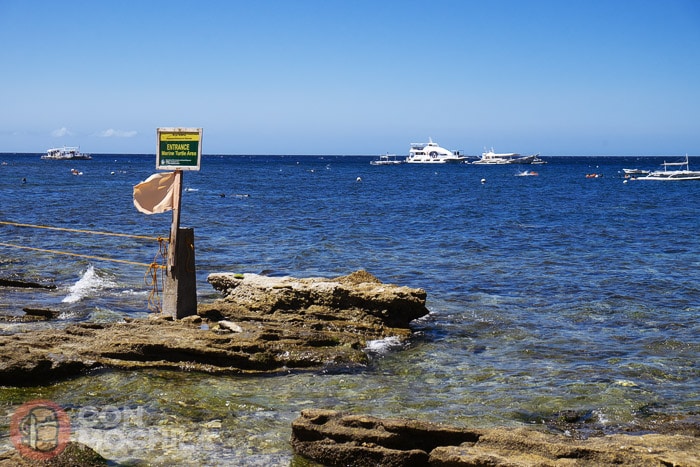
[[483, 180], [359, 179]]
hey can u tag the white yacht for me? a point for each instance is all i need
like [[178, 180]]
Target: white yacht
[[65, 153], [674, 174], [432, 153], [491, 157]]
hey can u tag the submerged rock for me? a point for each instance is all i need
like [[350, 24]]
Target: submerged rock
[[336, 439], [4, 282], [261, 325]]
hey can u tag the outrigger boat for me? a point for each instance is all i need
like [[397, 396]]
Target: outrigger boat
[[677, 175], [389, 159]]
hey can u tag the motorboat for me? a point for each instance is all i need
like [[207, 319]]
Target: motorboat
[[388, 159], [432, 153], [527, 173], [673, 174], [635, 172], [66, 153], [494, 158]]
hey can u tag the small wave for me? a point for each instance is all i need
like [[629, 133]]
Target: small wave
[[383, 345], [89, 282], [132, 292]]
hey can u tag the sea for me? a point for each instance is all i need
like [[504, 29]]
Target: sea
[[548, 294]]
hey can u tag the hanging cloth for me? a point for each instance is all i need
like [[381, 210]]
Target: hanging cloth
[[155, 195]]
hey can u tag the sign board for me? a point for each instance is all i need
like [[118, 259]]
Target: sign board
[[179, 148]]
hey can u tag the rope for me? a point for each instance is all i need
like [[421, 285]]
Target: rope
[[94, 232], [98, 258], [151, 277]]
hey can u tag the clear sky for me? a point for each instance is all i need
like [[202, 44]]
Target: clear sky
[[558, 77]]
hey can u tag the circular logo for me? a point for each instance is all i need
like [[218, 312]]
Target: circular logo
[[40, 430]]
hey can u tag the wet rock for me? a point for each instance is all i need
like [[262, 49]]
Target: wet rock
[[334, 439], [74, 454], [41, 313], [262, 325], [31, 315], [24, 284]]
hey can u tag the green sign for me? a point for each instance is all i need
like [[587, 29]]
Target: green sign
[[179, 148]]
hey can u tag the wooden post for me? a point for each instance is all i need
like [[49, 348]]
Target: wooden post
[[180, 288], [175, 226]]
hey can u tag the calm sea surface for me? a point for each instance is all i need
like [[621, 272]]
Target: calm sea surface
[[547, 293]]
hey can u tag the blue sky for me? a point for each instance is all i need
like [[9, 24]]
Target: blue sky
[[556, 77]]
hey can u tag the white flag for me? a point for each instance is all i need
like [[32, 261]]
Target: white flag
[[155, 195]]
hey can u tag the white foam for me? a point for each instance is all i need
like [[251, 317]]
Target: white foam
[[383, 345], [88, 283]]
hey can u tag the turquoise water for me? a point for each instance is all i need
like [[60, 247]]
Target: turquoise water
[[547, 293]]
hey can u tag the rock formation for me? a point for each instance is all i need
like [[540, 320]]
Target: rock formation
[[261, 325], [74, 454], [336, 439]]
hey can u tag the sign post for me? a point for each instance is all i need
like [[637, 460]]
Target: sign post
[[179, 149]]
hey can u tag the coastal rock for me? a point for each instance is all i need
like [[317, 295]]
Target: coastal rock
[[336, 439], [262, 325], [74, 454], [394, 306]]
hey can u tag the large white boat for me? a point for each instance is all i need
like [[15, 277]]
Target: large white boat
[[432, 153], [491, 157], [673, 174], [65, 153]]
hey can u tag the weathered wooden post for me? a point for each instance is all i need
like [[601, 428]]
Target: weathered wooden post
[[180, 287]]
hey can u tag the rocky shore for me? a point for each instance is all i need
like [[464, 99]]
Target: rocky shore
[[336, 439], [266, 325], [260, 325]]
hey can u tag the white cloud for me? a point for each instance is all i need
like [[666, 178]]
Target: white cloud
[[112, 133], [61, 132]]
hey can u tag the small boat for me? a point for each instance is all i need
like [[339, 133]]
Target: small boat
[[635, 172], [675, 175], [493, 158], [65, 153], [432, 153], [388, 159], [527, 173]]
